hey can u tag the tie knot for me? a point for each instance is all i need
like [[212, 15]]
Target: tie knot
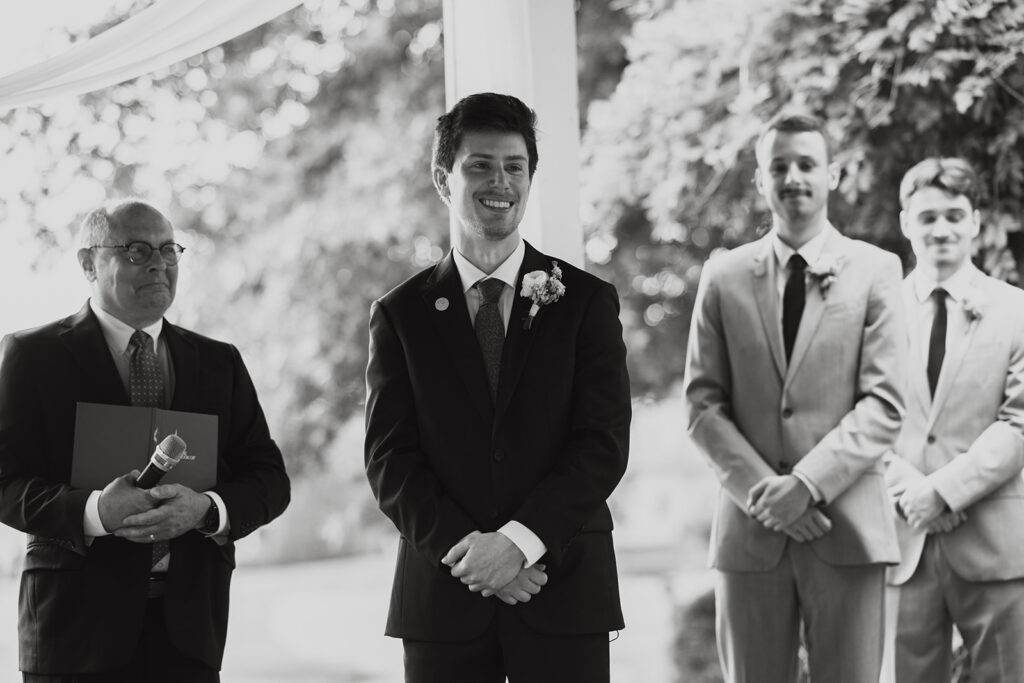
[[797, 264], [140, 340], [490, 289], [939, 294]]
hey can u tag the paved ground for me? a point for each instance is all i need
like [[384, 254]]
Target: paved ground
[[322, 622]]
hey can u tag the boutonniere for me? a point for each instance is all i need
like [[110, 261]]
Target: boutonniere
[[972, 309], [542, 289], [824, 271]]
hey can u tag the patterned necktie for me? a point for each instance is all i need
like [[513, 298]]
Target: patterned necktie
[[146, 389], [937, 341], [490, 329], [793, 298]]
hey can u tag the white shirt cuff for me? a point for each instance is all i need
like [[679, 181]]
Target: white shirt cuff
[[222, 530], [524, 539], [91, 519], [815, 493]]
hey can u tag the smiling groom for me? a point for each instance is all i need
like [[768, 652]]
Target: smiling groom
[[497, 425]]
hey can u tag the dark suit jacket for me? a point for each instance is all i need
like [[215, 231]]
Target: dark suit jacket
[[81, 608], [444, 460]]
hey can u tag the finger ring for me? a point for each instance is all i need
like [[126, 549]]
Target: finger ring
[[152, 537]]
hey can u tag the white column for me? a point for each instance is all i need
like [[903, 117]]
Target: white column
[[527, 48]]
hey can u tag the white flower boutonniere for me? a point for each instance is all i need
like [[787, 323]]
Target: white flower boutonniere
[[824, 271], [542, 289], [972, 309]]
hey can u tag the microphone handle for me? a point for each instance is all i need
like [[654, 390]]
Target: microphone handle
[[150, 476]]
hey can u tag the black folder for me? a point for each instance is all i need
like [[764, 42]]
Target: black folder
[[112, 440]]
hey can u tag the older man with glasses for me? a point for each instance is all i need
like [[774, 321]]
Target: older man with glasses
[[127, 584]]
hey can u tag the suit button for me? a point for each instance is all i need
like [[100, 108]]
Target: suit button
[[493, 513], [784, 466], [931, 438], [499, 455], [787, 412]]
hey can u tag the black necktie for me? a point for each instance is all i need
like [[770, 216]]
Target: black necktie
[[146, 389], [490, 329], [793, 302], [937, 341]]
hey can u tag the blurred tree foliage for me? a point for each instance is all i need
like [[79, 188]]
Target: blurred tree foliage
[[668, 160]]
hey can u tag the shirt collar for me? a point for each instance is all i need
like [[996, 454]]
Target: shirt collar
[[956, 285], [811, 251], [118, 333], [507, 272]]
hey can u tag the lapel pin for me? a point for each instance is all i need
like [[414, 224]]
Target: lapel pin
[[441, 304]]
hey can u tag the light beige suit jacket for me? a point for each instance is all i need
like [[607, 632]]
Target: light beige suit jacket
[[969, 440], [831, 414]]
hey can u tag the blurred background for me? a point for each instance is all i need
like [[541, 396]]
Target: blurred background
[[294, 162]]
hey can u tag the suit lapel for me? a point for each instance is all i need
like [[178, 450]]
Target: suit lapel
[[954, 357], [762, 280], [518, 340], [814, 306], [184, 367], [85, 342], [446, 302], [917, 375]]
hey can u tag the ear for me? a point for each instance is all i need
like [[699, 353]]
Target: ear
[[85, 260], [904, 227], [977, 223], [759, 181], [441, 184], [834, 174]]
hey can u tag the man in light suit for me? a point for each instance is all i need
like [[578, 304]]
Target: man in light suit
[[93, 605], [496, 429], [792, 386], [955, 473]]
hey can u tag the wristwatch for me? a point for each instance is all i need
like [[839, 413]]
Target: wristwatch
[[212, 520]]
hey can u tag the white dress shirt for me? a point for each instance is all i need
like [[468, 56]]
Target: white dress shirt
[[811, 252], [508, 272], [117, 335]]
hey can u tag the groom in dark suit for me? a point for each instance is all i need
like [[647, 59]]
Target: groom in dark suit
[[497, 425], [123, 585]]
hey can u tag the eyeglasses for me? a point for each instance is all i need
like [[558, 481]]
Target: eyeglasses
[[140, 252]]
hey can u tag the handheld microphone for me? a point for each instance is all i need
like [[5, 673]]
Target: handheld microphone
[[167, 455]]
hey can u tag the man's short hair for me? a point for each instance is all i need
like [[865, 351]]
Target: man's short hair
[[483, 112], [951, 174], [98, 223], [795, 121]]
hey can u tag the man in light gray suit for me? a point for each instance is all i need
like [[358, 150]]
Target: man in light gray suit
[[793, 377], [955, 475]]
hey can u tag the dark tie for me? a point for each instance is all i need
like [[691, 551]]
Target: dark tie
[[937, 341], [146, 389], [793, 302], [490, 330]]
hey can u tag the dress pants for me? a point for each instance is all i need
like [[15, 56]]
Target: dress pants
[[155, 660], [508, 647], [758, 617], [921, 613]]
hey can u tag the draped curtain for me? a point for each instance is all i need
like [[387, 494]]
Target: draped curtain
[[163, 34]]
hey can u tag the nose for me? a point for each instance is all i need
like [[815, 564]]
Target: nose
[[941, 230], [791, 174], [499, 178], [156, 261]]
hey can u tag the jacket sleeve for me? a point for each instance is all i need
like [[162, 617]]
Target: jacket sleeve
[[256, 488], [406, 488], [593, 458], [707, 387], [30, 500]]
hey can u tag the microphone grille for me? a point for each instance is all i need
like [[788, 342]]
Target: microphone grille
[[173, 447]]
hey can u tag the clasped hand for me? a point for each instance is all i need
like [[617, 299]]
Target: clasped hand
[[922, 505], [782, 503], [144, 516], [491, 564]]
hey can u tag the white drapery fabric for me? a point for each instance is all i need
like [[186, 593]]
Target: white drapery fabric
[[162, 34]]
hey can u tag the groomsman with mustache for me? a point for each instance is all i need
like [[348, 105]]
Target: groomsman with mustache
[[955, 473], [793, 392]]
